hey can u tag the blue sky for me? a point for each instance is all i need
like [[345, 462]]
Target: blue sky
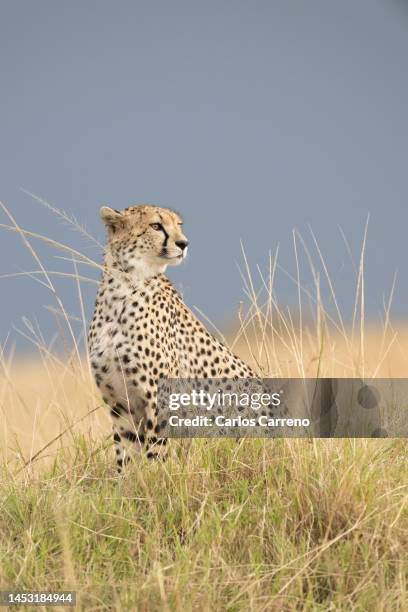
[[250, 118]]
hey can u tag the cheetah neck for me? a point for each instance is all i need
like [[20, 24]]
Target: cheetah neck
[[118, 285]]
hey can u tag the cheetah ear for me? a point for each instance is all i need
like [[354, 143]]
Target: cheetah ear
[[110, 217]]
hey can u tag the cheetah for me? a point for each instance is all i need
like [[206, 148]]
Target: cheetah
[[142, 331]]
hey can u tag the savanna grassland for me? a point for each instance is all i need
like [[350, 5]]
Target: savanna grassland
[[248, 525], [223, 525]]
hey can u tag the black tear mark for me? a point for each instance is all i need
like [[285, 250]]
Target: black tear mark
[[166, 236]]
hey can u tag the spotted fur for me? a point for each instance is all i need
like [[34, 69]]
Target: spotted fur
[[142, 331]]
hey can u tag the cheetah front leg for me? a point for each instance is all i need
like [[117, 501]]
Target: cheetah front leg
[[155, 445], [128, 435], [132, 436]]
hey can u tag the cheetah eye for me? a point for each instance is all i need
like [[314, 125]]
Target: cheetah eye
[[156, 226]]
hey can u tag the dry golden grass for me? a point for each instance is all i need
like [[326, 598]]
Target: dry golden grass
[[41, 398], [384, 355]]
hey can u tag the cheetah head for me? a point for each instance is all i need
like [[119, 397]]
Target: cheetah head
[[144, 239]]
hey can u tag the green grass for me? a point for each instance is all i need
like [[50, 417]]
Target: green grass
[[223, 525]]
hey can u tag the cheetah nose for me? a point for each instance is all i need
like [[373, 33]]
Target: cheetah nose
[[182, 244]]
